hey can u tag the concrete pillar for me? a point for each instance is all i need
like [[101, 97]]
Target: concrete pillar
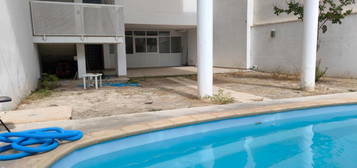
[[121, 49], [81, 60], [205, 47], [311, 15], [250, 17], [121, 65]]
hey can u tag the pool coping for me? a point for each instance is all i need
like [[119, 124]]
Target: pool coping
[[47, 159]]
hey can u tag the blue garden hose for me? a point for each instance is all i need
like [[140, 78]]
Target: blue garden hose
[[46, 140]]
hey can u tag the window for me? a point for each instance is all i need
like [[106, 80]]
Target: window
[[140, 45], [139, 33], [164, 33], [164, 43], [129, 45], [151, 44], [112, 49], [128, 33], [152, 33], [176, 45]]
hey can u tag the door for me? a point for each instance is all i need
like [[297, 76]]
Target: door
[[94, 57]]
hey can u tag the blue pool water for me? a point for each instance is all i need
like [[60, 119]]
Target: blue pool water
[[323, 137]]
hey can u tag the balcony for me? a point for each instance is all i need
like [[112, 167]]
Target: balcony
[[59, 22]]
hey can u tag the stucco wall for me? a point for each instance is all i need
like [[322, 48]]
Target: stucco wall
[[19, 65], [338, 49], [283, 53], [230, 33], [263, 11], [160, 12]]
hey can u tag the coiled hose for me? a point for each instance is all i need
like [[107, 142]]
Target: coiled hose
[[35, 141]]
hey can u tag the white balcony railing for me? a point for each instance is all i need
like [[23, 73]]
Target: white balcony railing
[[76, 19]]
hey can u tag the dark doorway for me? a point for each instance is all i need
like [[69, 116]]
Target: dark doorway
[[93, 1], [94, 57]]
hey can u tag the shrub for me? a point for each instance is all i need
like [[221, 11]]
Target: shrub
[[320, 73], [221, 98], [49, 81]]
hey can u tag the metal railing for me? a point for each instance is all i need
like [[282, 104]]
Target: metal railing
[[76, 19]]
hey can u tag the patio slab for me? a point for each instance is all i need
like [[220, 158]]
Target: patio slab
[[37, 115], [238, 96], [173, 71]]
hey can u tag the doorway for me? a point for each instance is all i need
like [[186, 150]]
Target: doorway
[[94, 57]]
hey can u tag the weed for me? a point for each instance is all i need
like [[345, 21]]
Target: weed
[[221, 98], [39, 94], [279, 74], [320, 73], [49, 82]]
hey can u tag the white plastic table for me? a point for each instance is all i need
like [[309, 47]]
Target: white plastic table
[[91, 76]]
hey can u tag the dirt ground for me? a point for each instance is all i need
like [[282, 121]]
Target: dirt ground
[[156, 94]]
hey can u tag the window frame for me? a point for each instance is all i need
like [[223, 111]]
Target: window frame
[[181, 45], [157, 44], [169, 35], [138, 37]]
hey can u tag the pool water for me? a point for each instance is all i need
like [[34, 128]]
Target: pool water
[[324, 137]]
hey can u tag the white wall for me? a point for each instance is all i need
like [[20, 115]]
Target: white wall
[[192, 46], [143, 60], [230, 33], [263, 11], [160, 12], [19, 64], [338, 49], [283, 53]]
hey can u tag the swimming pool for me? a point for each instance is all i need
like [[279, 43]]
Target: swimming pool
[[316, 137]]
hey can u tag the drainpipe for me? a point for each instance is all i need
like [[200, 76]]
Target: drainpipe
[[205, 47], [311, 15]]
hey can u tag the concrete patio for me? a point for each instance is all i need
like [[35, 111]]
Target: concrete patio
[[173, 71]]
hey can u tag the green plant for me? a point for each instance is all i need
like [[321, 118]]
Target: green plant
[[320, 72], [221, 98], [49, 81]]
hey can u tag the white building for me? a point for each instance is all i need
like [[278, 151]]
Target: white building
[[110, 36]]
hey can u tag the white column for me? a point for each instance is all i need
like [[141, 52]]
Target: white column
[[311, 15], [121, 65], [250, 17], [81, 60], [121, 50], [205, 47]]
